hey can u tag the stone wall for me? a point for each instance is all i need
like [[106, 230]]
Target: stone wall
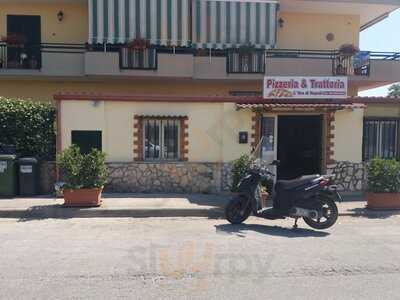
[[348, 176], [173, 177]]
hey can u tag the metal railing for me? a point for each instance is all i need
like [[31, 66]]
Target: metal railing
[[20, 56], [245, 62], [358, 64], [139, 59], [29, 57]]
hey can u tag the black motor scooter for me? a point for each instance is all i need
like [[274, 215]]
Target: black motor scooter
[[310, 197]]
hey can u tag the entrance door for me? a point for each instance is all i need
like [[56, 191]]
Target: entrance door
[[299, 146], [24, 48]]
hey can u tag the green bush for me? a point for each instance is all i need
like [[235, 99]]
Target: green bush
[[82, 171], [29, 126], [239, 169], [384, 176]]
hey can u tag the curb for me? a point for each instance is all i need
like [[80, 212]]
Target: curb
[[60, 212]]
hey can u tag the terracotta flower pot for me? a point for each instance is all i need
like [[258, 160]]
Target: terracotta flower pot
[[264, 199], [82, 197], [383, 200]]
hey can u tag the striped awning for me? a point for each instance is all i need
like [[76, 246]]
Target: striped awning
[[160, 22], [219, 24]]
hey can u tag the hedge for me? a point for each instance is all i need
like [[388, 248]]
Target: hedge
[[29, 126]]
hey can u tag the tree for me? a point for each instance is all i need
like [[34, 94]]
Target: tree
[[394, 90]]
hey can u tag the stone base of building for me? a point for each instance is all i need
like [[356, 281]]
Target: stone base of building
[[188, 177], [168, 177], [348, 176]]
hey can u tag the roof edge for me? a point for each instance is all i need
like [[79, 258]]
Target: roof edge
[[214, 99]]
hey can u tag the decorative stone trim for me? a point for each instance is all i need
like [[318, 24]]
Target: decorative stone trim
[[137, 138], [330, 127], [255, 129], [184, 139], [138, 135]]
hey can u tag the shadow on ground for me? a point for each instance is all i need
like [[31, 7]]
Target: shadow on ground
[[242, 229], [362, 212], [197, 199]]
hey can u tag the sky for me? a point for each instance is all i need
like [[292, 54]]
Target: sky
[[383, 36]]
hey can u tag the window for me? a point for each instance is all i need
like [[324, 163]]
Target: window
[[380, 138], [86, 140], [246, 62], [144, 59], [161, 139]]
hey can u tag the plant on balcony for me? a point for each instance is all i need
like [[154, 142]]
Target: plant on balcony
[[13, 39], [138, 44], [394, 90], [383, 184], [247, 49], [348, 49], [84, 176]]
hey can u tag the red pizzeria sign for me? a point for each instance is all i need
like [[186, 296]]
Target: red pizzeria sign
[[305, 87]]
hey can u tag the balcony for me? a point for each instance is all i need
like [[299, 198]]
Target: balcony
[[230, 65], [364, 69], [141, 63], [41, 60]]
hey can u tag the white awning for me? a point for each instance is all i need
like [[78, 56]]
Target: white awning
[[220, 24], [160, 22]]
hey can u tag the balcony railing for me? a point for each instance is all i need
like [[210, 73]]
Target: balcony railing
[[20, 56], [358, 64], [245, 62], [138, 59]]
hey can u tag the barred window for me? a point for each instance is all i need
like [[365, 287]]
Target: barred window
[[380, 138], [246, 62], [145, 59], [161, 139]]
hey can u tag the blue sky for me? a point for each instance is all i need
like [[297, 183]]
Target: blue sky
[[383, 36]]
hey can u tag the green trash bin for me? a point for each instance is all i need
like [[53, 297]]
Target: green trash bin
[[8, 178], [28, 176]]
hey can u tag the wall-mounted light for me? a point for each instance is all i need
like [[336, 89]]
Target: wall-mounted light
[[281, 22], [60, 16]]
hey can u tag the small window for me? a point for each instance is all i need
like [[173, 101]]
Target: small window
[[161, 139], [86, 140], [142, 59], [380, 139]]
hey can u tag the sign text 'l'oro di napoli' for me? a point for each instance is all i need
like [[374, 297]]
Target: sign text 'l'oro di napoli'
[[305, 87]]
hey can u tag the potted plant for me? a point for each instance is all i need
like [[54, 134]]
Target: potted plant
[[383, 184], [267, 184], [348, 49], [84, 176], [13, 39], [239, 169], [138, 44]]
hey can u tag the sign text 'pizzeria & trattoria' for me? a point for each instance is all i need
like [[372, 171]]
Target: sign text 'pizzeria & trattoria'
[[305, 87]]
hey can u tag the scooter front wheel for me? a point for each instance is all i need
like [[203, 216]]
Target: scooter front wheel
[[238, 210], [329, 216]]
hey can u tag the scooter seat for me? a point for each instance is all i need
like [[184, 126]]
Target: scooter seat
[[294, 183]]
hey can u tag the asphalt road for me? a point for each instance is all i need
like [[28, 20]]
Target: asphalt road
[[195, 258]]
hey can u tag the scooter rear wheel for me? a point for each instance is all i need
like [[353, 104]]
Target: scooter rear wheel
[[330, 214], [238, 210]]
